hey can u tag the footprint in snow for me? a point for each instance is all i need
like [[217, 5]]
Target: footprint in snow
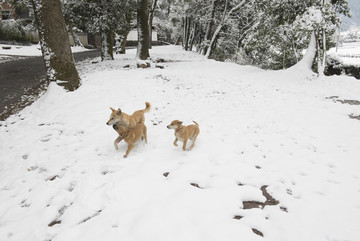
[[71, 186]]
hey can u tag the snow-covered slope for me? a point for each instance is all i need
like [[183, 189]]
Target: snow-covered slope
[[61, 178]]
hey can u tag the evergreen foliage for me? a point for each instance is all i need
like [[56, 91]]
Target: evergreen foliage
[[102, 17]]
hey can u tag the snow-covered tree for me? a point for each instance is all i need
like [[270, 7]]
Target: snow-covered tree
[[322, 20], [168, 19], [226, 19], [272, 42], [206, 23], [265, 33], [55, 44], [103, 17]]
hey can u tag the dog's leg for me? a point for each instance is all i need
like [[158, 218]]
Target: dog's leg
[[130, 147], [184, 145], [175, 142], [145, 135], [193, 143], [116, 142]]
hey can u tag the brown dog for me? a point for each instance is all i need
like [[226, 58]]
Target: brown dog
[[130, 136], [120, 118], [183, 133]]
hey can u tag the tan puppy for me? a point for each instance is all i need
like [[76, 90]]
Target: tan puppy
[[130, 136], [129, 121], [183, 133]]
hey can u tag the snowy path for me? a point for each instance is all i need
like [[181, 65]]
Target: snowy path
[[61, 179]]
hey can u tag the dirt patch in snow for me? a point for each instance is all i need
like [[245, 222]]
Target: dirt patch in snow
[[254, 204], [357, 117], [349, 102]]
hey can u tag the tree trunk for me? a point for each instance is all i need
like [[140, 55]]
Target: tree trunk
[[151, 16], [123, 45], [55, 46], [187, 22], [322, 69], [307, 61], [169, 7], [321, 63], [75, 37], [318, 52], [193, 35], [106, 36], [209, 28], [143, 30], [120, 46], [211, 47], [107, 46], [199, 37]]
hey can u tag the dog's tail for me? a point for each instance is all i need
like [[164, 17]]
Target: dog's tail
[[196, 123], [147, 107]]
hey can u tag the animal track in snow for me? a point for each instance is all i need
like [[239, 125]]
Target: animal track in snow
[[25, 203], [196, 185], [90, 217], [71, 187], [61, 211], [52, 178], [257, 232]]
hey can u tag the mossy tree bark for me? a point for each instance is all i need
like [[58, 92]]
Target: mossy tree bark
[[107, 46], [55, 45], [106, 35], [143, 30]]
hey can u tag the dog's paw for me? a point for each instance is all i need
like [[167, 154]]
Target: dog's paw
[[175, 144], [116, 147], [124, 156]]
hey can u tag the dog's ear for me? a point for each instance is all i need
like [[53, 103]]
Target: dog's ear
[[118, 112], [113, 110], [180, 122]]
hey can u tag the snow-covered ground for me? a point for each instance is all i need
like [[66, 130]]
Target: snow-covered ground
[[348, 52], [31, 50], [61, 178]]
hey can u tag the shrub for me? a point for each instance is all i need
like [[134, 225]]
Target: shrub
[[11, 30]]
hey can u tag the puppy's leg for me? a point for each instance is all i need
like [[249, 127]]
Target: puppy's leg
[[130, 147], [145, 135], [193, 142], [116, 142], [184, 145], [175, 142]]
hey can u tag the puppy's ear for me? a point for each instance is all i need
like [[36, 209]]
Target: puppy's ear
[[180, 122], [113, 110], [118, 112]]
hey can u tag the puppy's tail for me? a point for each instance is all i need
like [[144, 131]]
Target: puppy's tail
[[196, 123], [147, 107]]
